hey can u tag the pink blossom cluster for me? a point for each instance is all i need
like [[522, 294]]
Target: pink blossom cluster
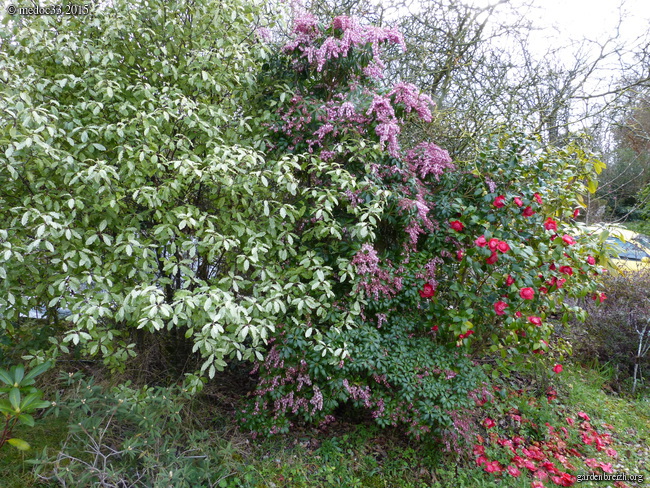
[[358, 393], [428, 159], [375, 280], [408, 95], [348, 33]]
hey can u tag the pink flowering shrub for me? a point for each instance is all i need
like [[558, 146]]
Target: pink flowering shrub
[[445, 262]]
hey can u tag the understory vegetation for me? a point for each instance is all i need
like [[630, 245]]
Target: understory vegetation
[[232, 254]]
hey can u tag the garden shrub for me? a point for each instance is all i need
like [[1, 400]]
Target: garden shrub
[[127, 436], [611, 332], [467, 259]]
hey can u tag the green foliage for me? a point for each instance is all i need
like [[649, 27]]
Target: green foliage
[[134, 436], [137, 195], [23, 400]]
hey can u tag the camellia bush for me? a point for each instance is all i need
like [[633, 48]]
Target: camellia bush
[[170, 177]]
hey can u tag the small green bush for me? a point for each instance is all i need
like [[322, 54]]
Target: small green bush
[[612, 330]]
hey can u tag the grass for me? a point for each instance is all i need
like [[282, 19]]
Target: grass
[[15, 472]]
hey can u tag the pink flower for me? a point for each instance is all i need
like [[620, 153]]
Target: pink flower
[[513, 471], [536, 484], [482, 459], [518, 201], [565, 479], [509, 280], [499, 307], [457, 225], [584, 416], [518, 314], [568, 240], [591, 260], [567, 270], [500, 201], [488, 423], [481, 242], [527, 293], [493, 467], [550, 224], [557, 368], [543, 289], [459, 255], [535, 320], [538, 198], [493, 244], [427, 291], [503, 246], [528, 212], [492, 259], [576, 212]]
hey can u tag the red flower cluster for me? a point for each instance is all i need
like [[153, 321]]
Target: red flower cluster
[[457, 225], [500, 201], [550, 224], [547, 460], [499, 307], [527, 293], [427, 291]]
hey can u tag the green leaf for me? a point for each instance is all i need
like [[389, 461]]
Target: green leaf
[[19, 444], [26, 419], [40, 369], [14, 398]]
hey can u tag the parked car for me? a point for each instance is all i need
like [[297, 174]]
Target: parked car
[[630, 250]]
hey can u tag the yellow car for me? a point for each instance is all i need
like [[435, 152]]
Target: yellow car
[[630, 250]]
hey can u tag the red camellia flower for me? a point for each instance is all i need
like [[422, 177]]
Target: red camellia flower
[[565, 479], [568, 240], [552, 267], [457, 225], [434, 328], [528, 212], [488, 423], [493, 467], [600, 297], [576, 212], [509, 280], [591, 260], [543, 289], [538, 198], [492, 259], [527, 293], [518, 202], [500, 201], [503, 246], [518, 314], [550, 224], [493, 243], [567, 270], [513, 471], [427, 291], [481, 242], [499, 307], [459, 255], [535, 320], [557, 368]]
